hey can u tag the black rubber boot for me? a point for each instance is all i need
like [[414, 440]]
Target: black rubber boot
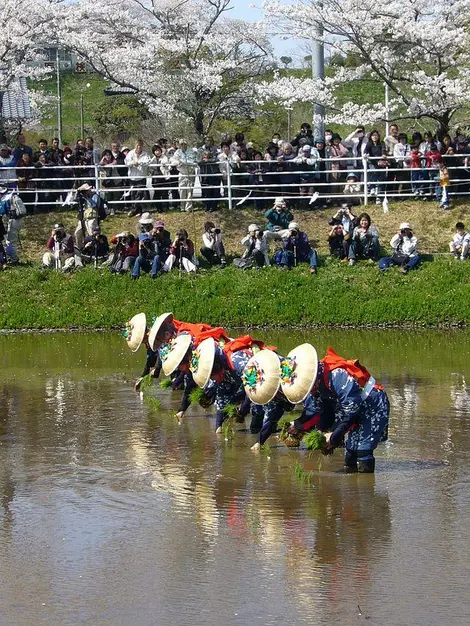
[[350, 462], [366, 465]]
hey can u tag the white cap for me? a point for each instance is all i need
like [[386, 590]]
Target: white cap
[[307, 147], [294, 226], [279, 202], [405, 226], [146, 218], [252, 228]]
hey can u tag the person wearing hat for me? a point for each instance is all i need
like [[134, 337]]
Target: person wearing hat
[[339, 397], [405, 250], [220, 364], [7, 165], [60, 249], [137, 161], [296, 248], [154, 248], [261, 379], [256, 249], [96, 247], [91, 211], [306, 162], [278, 218], [352, 189]]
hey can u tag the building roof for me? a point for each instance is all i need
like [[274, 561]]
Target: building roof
[[15, 101]]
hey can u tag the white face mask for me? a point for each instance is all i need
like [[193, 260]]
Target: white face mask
[[328, 137]]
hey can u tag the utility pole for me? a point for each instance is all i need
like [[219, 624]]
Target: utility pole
[[318, 72], [59, 97]]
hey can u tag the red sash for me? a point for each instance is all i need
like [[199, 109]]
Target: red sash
[[242, 343], [333, 361]]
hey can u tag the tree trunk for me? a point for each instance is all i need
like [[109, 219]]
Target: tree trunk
[[443, 122], [199, 123]]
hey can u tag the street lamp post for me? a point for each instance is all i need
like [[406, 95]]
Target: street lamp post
[[82, 115], [318, 72], [59, 97]]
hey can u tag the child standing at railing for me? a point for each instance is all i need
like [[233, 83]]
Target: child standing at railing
[[417, 174], [442, 188]]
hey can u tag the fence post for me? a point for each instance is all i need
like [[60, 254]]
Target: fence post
[[364, 178], [229, 186], [97, 179]]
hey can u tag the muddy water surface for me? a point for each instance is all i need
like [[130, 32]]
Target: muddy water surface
[[111, 513]]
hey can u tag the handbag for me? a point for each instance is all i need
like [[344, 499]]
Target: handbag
[[399, 258]]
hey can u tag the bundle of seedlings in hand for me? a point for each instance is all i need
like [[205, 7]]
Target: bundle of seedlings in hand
[[165, 383], [146, 382], [196, 395], [287, 436], [315, 440]]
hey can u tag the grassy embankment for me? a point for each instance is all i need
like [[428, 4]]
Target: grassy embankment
[[436, 293]]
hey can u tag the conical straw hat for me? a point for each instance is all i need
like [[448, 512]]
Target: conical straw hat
[[202, 361], [299, 372], [261, 376], [135, 330], [173, 353], [162, 320]]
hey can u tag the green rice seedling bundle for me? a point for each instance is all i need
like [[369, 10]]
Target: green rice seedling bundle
[[146, 382], [165, 383], [230, 411], [196, 395], [228, 428], [315, 440]]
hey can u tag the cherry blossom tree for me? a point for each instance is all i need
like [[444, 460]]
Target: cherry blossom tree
[[25, 27], [186, 58], [418, 48]]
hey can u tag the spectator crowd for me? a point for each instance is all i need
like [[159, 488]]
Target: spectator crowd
[[308, 171]]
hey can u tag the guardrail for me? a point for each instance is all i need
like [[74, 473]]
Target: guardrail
[[236, 183]]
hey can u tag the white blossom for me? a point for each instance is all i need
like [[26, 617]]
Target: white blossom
[[186, 59], [417, 47]]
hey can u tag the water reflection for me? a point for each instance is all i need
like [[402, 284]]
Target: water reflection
[[112, 513]]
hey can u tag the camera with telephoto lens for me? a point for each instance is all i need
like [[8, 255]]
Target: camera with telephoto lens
[[216, 231]]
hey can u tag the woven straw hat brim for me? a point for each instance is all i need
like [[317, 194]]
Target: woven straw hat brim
[[266, 365], [138, 326], [178, 349], [157, 325], [205, 355], [305, 372]]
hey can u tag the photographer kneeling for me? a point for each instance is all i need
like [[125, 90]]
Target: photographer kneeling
[[405, 247], [256, 249], [213, 249], [181, 253], [60, 250], [154, 248], [297, 249], [96, 248]]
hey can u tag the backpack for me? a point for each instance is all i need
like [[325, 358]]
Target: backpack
[[101, 208], [17, 207]]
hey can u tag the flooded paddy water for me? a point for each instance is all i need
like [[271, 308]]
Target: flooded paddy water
[[112, 513]]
